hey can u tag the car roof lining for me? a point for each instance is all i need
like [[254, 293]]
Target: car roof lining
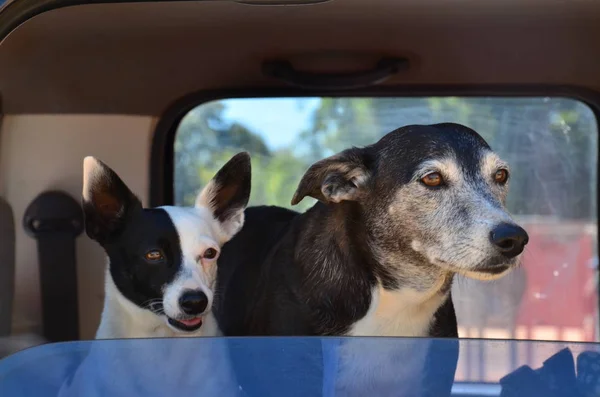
[[140, 57]]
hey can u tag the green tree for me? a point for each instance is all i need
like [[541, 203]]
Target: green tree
[[203, 135], [549, 143]]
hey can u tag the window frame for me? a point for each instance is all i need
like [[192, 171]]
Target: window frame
[[163, 140], [162, 167]]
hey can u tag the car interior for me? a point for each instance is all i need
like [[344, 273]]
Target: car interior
[[166, 91]]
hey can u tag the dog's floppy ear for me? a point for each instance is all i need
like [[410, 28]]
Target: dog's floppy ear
[[341, 177], [228, 192], [106, 200]]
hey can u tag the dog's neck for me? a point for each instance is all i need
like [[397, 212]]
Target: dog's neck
[[338, 257], [334, 237], [122, 319], [402, 312]]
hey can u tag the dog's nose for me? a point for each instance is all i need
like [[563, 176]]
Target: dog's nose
[[193, 302], [509, 239]]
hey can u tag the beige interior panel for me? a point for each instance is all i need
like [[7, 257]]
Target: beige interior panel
[[42, 152], [140, 57]]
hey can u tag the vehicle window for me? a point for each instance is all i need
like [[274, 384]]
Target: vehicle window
[[291, 367], [550, 143]]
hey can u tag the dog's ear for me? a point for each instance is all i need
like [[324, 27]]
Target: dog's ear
[[341, 177], [228, 192], [106, 200]]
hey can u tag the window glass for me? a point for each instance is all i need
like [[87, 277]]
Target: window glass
[[551, 145]]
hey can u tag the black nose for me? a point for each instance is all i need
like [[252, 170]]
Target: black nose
[[193, 302], [509, 239]]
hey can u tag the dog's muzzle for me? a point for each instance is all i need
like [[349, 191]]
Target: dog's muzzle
[[509, 240], [193, 304]]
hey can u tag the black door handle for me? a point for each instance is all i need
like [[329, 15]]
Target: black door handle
[[385, 68]]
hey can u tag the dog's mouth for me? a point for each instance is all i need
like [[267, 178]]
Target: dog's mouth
[[492, 270], [187, 325], [483, 272]]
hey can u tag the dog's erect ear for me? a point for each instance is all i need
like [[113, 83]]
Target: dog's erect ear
[[341, 177], [228, 192], [106, 200]]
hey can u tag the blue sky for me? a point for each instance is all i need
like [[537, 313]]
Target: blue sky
[[277, 120]]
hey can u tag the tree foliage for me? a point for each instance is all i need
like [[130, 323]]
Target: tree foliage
[[550, 143]]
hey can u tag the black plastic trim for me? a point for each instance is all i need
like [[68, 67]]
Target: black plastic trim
[[17, 12], [162, 153], [384, 69]]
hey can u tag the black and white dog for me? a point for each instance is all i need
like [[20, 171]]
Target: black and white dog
[[159, 283], [162, 261], [376, 256]]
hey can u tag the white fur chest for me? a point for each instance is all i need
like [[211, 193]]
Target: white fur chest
[[405, 312], [374, 366]]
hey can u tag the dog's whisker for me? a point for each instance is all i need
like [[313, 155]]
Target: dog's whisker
[[152, 301]]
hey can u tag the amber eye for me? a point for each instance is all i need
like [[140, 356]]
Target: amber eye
[[433, 179], [154, 255], [210, 253], [501, 176]]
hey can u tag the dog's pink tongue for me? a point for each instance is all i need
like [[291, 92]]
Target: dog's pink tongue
[[192, 322]]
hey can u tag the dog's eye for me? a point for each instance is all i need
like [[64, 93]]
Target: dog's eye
[[433, 179], [210, 253], [154, 255], [501, 176]]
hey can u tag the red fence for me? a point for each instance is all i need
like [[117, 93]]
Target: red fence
[[553, 296], [561, 291]]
